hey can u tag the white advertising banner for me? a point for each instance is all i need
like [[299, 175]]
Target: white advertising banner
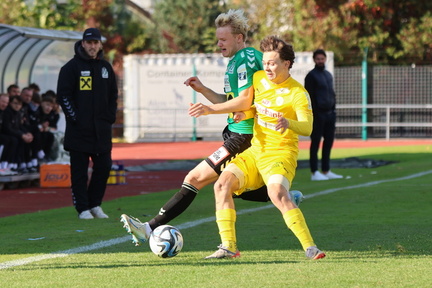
[[156, 99]]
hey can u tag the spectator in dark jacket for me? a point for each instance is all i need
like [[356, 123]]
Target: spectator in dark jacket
[[30, 116], [13, 125], [48, 119], [319, 84], [8, 143], [87, 92]]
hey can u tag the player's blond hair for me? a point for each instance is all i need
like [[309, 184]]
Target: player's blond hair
[[234, 19]]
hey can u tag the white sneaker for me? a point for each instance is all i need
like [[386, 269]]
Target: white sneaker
[[85, 215], [7, 172], [318, 176], [140, 231], [331, 175], [97, 212]]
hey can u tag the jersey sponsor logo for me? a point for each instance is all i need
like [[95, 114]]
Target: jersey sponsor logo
[[266, 124], [265, 84], [266, 102], [242, 75], [104, 73], [85, 83], [267, 111], [230, 68], [227, 85], [219, 155], [279, 101], [85, 73], [282, 91]]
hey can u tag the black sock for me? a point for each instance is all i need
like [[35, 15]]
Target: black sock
[[259, 195], [175, 206]]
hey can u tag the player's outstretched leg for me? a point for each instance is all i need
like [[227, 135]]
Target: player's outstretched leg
[[140, 231]]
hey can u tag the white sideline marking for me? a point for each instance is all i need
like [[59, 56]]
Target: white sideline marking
[[107, 243]]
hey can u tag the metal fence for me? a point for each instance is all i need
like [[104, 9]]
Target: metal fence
[[399, 106], [399, 121], [399, 102]]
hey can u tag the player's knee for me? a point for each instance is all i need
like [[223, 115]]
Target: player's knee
[[194, 177], [226, 183]]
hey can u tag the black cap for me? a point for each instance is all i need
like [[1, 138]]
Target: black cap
[[92, 34]]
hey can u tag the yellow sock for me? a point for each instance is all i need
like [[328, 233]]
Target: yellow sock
[[225, 220], [296, 222]]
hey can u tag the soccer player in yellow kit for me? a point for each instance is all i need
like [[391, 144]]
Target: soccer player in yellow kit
[[282, 112]]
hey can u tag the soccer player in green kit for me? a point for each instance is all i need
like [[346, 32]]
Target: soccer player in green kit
[[231, 30]]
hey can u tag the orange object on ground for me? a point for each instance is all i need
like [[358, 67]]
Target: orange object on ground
[[55, 175]]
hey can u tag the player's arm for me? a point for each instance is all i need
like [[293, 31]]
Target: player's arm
[[241, 103], [211, 95], [244, 115], [303, 124]]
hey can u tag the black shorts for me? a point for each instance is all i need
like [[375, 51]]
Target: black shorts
[[234, 143]]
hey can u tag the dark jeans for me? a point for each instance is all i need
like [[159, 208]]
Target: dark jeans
[[88, 196], [324, 126]]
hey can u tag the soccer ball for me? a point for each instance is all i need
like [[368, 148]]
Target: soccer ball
[[166, 241]]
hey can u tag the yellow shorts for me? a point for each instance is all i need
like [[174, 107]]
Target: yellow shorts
[[254, 169]]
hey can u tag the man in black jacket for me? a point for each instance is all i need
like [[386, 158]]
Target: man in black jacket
[[87, 92], [319, 84]]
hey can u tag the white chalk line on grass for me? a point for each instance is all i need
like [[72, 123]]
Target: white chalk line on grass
[[108, 243]]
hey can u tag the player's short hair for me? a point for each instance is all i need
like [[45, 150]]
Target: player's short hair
[[319, 52], [236, 20], [276, 44]]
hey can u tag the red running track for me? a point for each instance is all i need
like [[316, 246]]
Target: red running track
[[33, 199]]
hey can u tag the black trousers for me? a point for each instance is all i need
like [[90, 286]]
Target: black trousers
[[88, 194], [324, 126], [10, 144]]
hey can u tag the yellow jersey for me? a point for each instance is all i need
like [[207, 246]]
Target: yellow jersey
[[271, 101]]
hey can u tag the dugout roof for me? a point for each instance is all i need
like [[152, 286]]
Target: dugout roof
[[20, 47]]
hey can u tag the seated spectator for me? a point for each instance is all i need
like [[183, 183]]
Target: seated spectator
[[13, 90], [33, 110], [30, 116], [61, 124], [57, 152], [35, 87], [48, 126], [13, 126], [8, 144]]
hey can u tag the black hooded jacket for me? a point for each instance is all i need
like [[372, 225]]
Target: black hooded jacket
[[319, 84], [87, 92]]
